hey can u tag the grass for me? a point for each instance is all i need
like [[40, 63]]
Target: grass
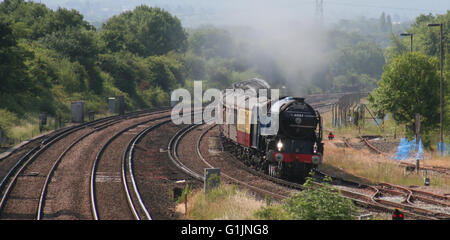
[[437, 160], [370, 168], [27, 127], [24, 131], [227, 202]]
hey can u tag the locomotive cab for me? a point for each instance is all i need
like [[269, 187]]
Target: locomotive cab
[[297, 148]]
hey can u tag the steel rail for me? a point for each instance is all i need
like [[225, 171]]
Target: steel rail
[[27, 158], [130, 151], [172, 147], [228, 176], [92, 194], [56, 163], [56, 137], [94, 210], [417, 195], [35, 152], [372, 147]]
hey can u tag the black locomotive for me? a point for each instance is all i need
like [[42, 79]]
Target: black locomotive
[[290, 151]]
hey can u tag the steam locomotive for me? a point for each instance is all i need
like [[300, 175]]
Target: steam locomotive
[[290, 150]]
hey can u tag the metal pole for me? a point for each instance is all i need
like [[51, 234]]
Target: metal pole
[[332, 115], [441, 92], [411, 36]]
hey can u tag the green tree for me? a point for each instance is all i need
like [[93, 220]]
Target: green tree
[[145, 31], [79, 45], [352, 81], [397, 47], [123, 68], [363, 58], [38, 20], [163, 73], [14, 82], [211, 42], [409, 85]]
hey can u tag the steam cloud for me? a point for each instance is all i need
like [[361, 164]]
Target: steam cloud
[[293, 37]]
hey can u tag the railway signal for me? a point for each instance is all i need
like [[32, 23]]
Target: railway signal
[[397, 215]]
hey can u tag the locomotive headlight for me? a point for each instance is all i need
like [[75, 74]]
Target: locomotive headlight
[[315, 159], [279, 145]]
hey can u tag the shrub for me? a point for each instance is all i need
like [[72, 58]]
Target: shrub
[[272, 213], [313, 203], [7, 121], [319, 203]]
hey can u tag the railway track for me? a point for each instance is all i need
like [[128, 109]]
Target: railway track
[[17, 172], [22, 198], [371, 146], [194, 167], [60, 189], [109, 163], [42, 178], [410, 200], [40, 187]]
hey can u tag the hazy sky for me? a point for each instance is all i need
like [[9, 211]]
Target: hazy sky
[[197, 12]]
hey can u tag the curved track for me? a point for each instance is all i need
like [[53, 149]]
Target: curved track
[[35, 176]]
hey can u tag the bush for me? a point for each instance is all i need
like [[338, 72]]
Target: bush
[[313, 203], [272, 213], [7, 120], [155, 97]]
